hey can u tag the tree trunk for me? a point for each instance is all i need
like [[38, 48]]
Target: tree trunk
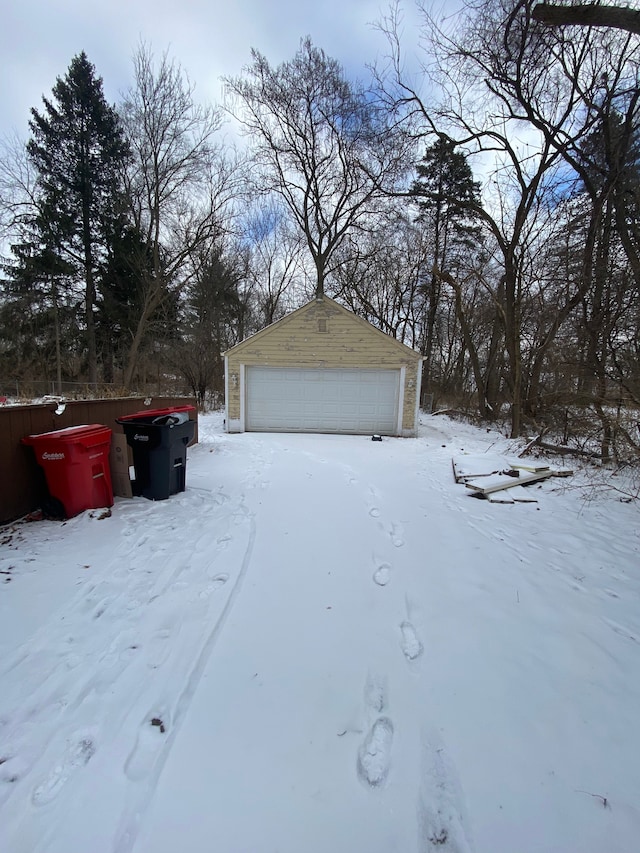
[[493, 372], [134, 348], [432, 312], [319, 279], [90, 296], [56, 323], [468, 339], [512, 329], [92, 356]]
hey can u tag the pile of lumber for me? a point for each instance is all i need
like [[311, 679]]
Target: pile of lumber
[[500, 481]]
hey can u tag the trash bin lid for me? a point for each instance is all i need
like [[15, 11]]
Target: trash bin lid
[[86, 433], [157, 413]]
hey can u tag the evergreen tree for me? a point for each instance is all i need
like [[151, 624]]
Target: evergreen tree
[[38, 308], [121, 302], [212, 314], [120, 299], [448, 198], [78, 149]]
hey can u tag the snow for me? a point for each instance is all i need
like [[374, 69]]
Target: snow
[[324, 644]]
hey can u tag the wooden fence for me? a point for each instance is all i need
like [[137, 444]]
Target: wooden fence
[[22, 482]]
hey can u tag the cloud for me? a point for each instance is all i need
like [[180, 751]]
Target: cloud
[[208, 38]]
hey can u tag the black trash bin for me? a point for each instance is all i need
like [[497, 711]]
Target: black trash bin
[[159, 440]]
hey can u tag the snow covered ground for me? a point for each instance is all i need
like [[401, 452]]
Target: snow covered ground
[[324, 644]]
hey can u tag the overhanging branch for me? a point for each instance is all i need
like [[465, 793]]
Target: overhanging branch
[[588, 15]]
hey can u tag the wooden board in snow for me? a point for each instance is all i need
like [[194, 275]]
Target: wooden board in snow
[[472, 465], [497, 482], [517, 495], [531, 467]]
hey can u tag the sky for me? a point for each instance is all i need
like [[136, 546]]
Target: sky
[[209, 38]]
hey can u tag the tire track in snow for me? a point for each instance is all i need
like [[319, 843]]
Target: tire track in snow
[[94, 599], [74, 658], [147, 768]]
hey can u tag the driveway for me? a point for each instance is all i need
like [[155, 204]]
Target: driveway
[[325, 644]]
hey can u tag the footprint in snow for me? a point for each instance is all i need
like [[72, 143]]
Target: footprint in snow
[[374, 755], [12, 769], [441, 803], [396, 534], [410, 642], [373, 500], [216, 583], [375, 693], [382, 574], [78, 753], [100, 609]]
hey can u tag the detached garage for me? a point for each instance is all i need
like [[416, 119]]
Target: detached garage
[[322, 369]]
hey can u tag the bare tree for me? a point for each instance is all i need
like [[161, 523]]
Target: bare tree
[[274, 262], [320, 142], [39, 296], [555, 82], [477, 116], [18, 177], [521, 99], [380, 277], [210, 317], [180, 185]]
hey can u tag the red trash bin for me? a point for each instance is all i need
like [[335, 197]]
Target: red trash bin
[[76, 464]]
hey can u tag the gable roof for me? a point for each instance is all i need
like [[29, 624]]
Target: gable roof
[[334, 305]]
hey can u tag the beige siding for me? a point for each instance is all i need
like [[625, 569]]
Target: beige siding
[[323, 334]]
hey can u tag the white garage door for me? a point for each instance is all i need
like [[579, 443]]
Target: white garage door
[[336, 400]]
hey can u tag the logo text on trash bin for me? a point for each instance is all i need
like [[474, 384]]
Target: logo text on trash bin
[[47, 455], [139, 437]]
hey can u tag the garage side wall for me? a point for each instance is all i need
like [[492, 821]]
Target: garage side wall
[[322, 334]]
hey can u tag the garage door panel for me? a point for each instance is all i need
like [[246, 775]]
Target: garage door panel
[[322, 400]]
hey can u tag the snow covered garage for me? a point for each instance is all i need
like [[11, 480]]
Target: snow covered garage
[[322, 369]]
